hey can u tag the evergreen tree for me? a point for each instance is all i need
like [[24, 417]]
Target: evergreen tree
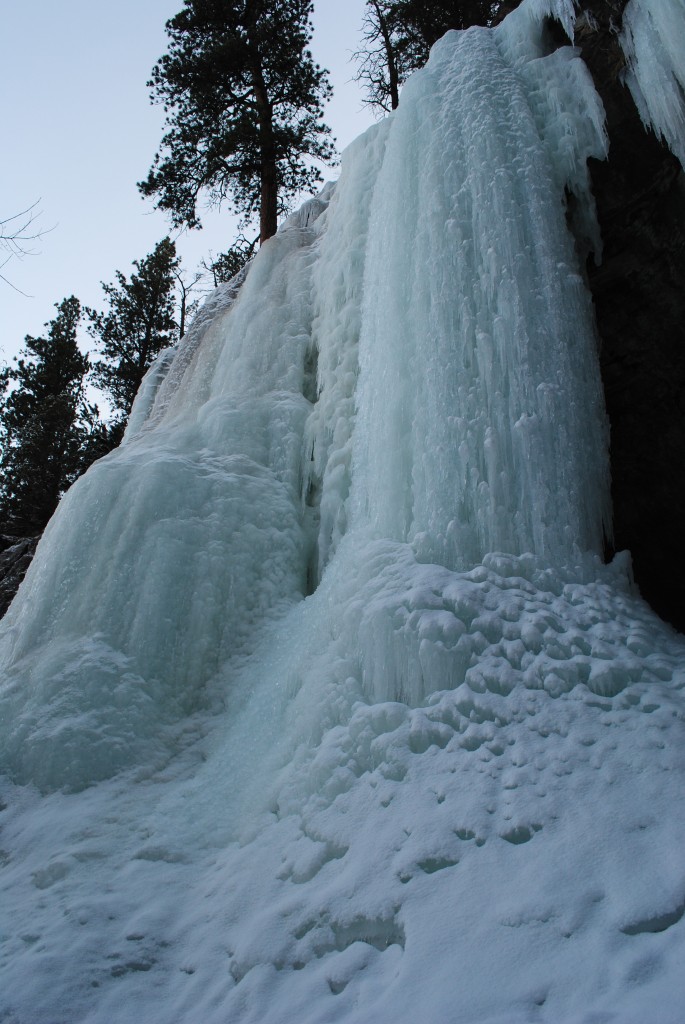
[[48, 430], [398, 35], [244, 102], [138, 324], [423, 24]]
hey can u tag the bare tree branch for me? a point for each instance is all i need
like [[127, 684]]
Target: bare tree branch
[[16, 235]]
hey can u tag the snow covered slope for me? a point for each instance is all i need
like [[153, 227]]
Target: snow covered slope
[[317, 702]]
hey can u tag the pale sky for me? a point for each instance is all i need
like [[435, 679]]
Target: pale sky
[[79, 132]]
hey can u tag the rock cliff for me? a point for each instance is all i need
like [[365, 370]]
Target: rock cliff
[[639, 295]]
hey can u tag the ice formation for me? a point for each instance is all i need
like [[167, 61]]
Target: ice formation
[[317, 702]]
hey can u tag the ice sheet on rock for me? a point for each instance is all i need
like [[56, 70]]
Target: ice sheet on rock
[[310, 211], [166, 375], [653, 40], [147, 393]]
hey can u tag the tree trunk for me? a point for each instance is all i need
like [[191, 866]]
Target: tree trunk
[[268, 210], [393, 77]]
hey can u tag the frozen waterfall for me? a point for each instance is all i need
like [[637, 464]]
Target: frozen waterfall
[[457, 408], [317, 703]]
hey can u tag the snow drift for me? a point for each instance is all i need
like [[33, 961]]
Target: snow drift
[[318, 703]]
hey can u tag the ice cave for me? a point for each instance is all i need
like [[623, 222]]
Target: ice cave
[[318, 702]]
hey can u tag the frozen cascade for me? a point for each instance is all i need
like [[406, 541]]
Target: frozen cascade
[[320, 675], [479, 417]]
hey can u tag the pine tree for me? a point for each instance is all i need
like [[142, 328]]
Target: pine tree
[[48, 430], [425, 23], [244, 104], [398, 35], [138, 324]]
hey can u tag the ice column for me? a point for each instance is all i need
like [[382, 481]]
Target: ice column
[[480, 423]]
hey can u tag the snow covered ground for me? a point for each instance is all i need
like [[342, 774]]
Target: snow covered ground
[[317, 702]]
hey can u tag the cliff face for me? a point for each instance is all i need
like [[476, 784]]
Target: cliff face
[[639, 295], [638, 290]]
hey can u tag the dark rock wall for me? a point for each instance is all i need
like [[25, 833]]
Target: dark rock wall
[[15, 557], [639, 296]]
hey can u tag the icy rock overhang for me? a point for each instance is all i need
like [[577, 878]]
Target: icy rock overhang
[[653, 41], [638, 289]]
